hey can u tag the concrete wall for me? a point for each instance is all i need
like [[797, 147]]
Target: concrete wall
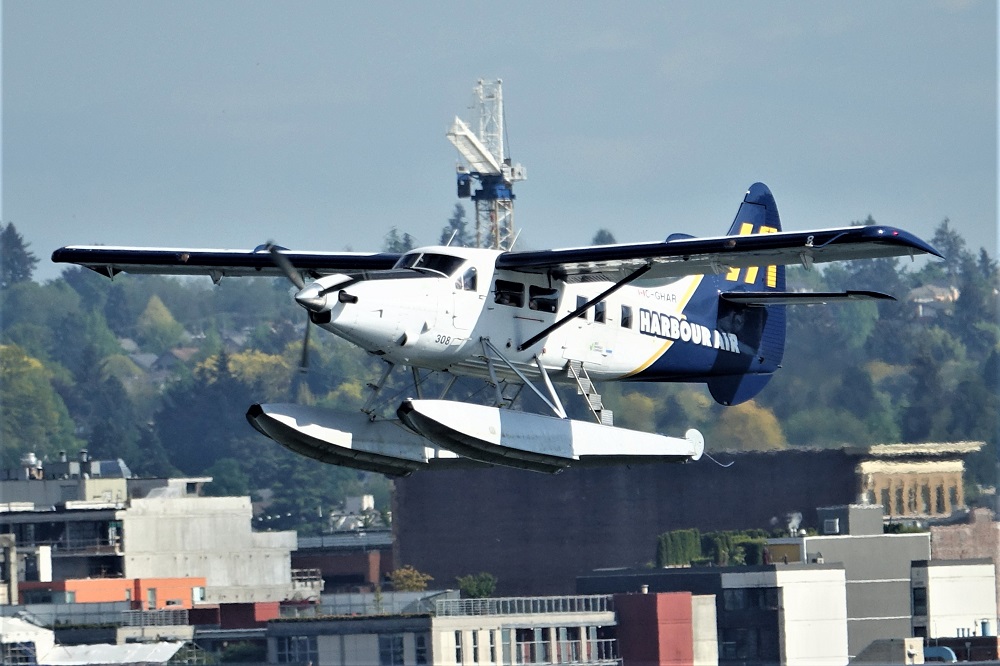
[[705, 628], [209, 537], [959, 596], [975, 538], [878, 581], [813, 616]]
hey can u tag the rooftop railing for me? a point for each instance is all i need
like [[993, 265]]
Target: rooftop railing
[[594, 603]]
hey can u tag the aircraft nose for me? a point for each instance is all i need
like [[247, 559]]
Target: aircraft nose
[[312, 298]]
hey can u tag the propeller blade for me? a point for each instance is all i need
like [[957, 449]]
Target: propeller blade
[[304, 362], [285, 265]]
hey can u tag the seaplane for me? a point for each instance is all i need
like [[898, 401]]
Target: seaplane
[[685, 309]]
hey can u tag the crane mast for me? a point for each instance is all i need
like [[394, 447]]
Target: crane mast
[[487, 175]]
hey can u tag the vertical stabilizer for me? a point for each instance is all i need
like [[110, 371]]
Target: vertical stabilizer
[[760, 329]]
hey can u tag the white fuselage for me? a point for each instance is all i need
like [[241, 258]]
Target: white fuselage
[[436, 319]]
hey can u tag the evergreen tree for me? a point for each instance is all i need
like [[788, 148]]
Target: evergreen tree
[[396, 243], [17, 263], [603, 237], [456, 230]]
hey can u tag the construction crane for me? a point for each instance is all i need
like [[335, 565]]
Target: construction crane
[[487, 177]]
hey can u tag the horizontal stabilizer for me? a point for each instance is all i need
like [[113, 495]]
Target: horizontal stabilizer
[[803, 298]]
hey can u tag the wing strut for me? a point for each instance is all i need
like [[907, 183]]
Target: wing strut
[[631, 277]]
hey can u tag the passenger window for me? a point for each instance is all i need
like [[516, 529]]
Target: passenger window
[[468, 280], [542, 299], [580, 301], [600, 312], [626, 316], [509, 293]]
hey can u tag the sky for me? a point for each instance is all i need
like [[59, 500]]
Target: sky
[[321, 125]]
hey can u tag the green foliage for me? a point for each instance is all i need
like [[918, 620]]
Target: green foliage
[[394, 242], [477, 586], [689, 547], [156, 327], [35, 417], [17, 263], [243, 652], [408, 579], [456, 231], [678, 547], [603, 237]]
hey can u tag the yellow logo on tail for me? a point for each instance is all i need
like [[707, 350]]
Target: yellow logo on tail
[[771, 280]]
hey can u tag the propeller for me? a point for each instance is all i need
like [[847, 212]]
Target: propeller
[[282, 262], [295, 277]]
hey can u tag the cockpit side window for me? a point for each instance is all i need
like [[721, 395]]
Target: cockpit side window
[[509, 293], [467, 281]]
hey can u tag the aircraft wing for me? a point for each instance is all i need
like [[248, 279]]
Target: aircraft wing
[[683, 255], [109, 260]]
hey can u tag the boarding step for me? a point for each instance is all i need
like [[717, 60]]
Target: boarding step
[[585, 387]]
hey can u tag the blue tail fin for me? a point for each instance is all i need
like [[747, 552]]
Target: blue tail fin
[[760, 329]]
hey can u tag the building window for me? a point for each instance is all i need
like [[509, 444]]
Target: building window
[[475, 646], [939, 500], [920, 632], [151, 598], [925, 498], [390, 650], [458, 647], [297, 650], [493, 647], [580, 302], [626, 316], [734, 599], [920, 601], [899, 502], [420, 644], [953, 497], [886, 504]]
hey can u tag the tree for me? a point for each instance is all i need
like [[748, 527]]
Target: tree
[[157, 328], [603, 237], [749, 427], [678, 547], [408, 579], [17, 263], [477, 586], [34, 417], [456, 231], [396, 243]]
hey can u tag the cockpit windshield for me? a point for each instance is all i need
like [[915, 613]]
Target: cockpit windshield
[[441, 264]]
